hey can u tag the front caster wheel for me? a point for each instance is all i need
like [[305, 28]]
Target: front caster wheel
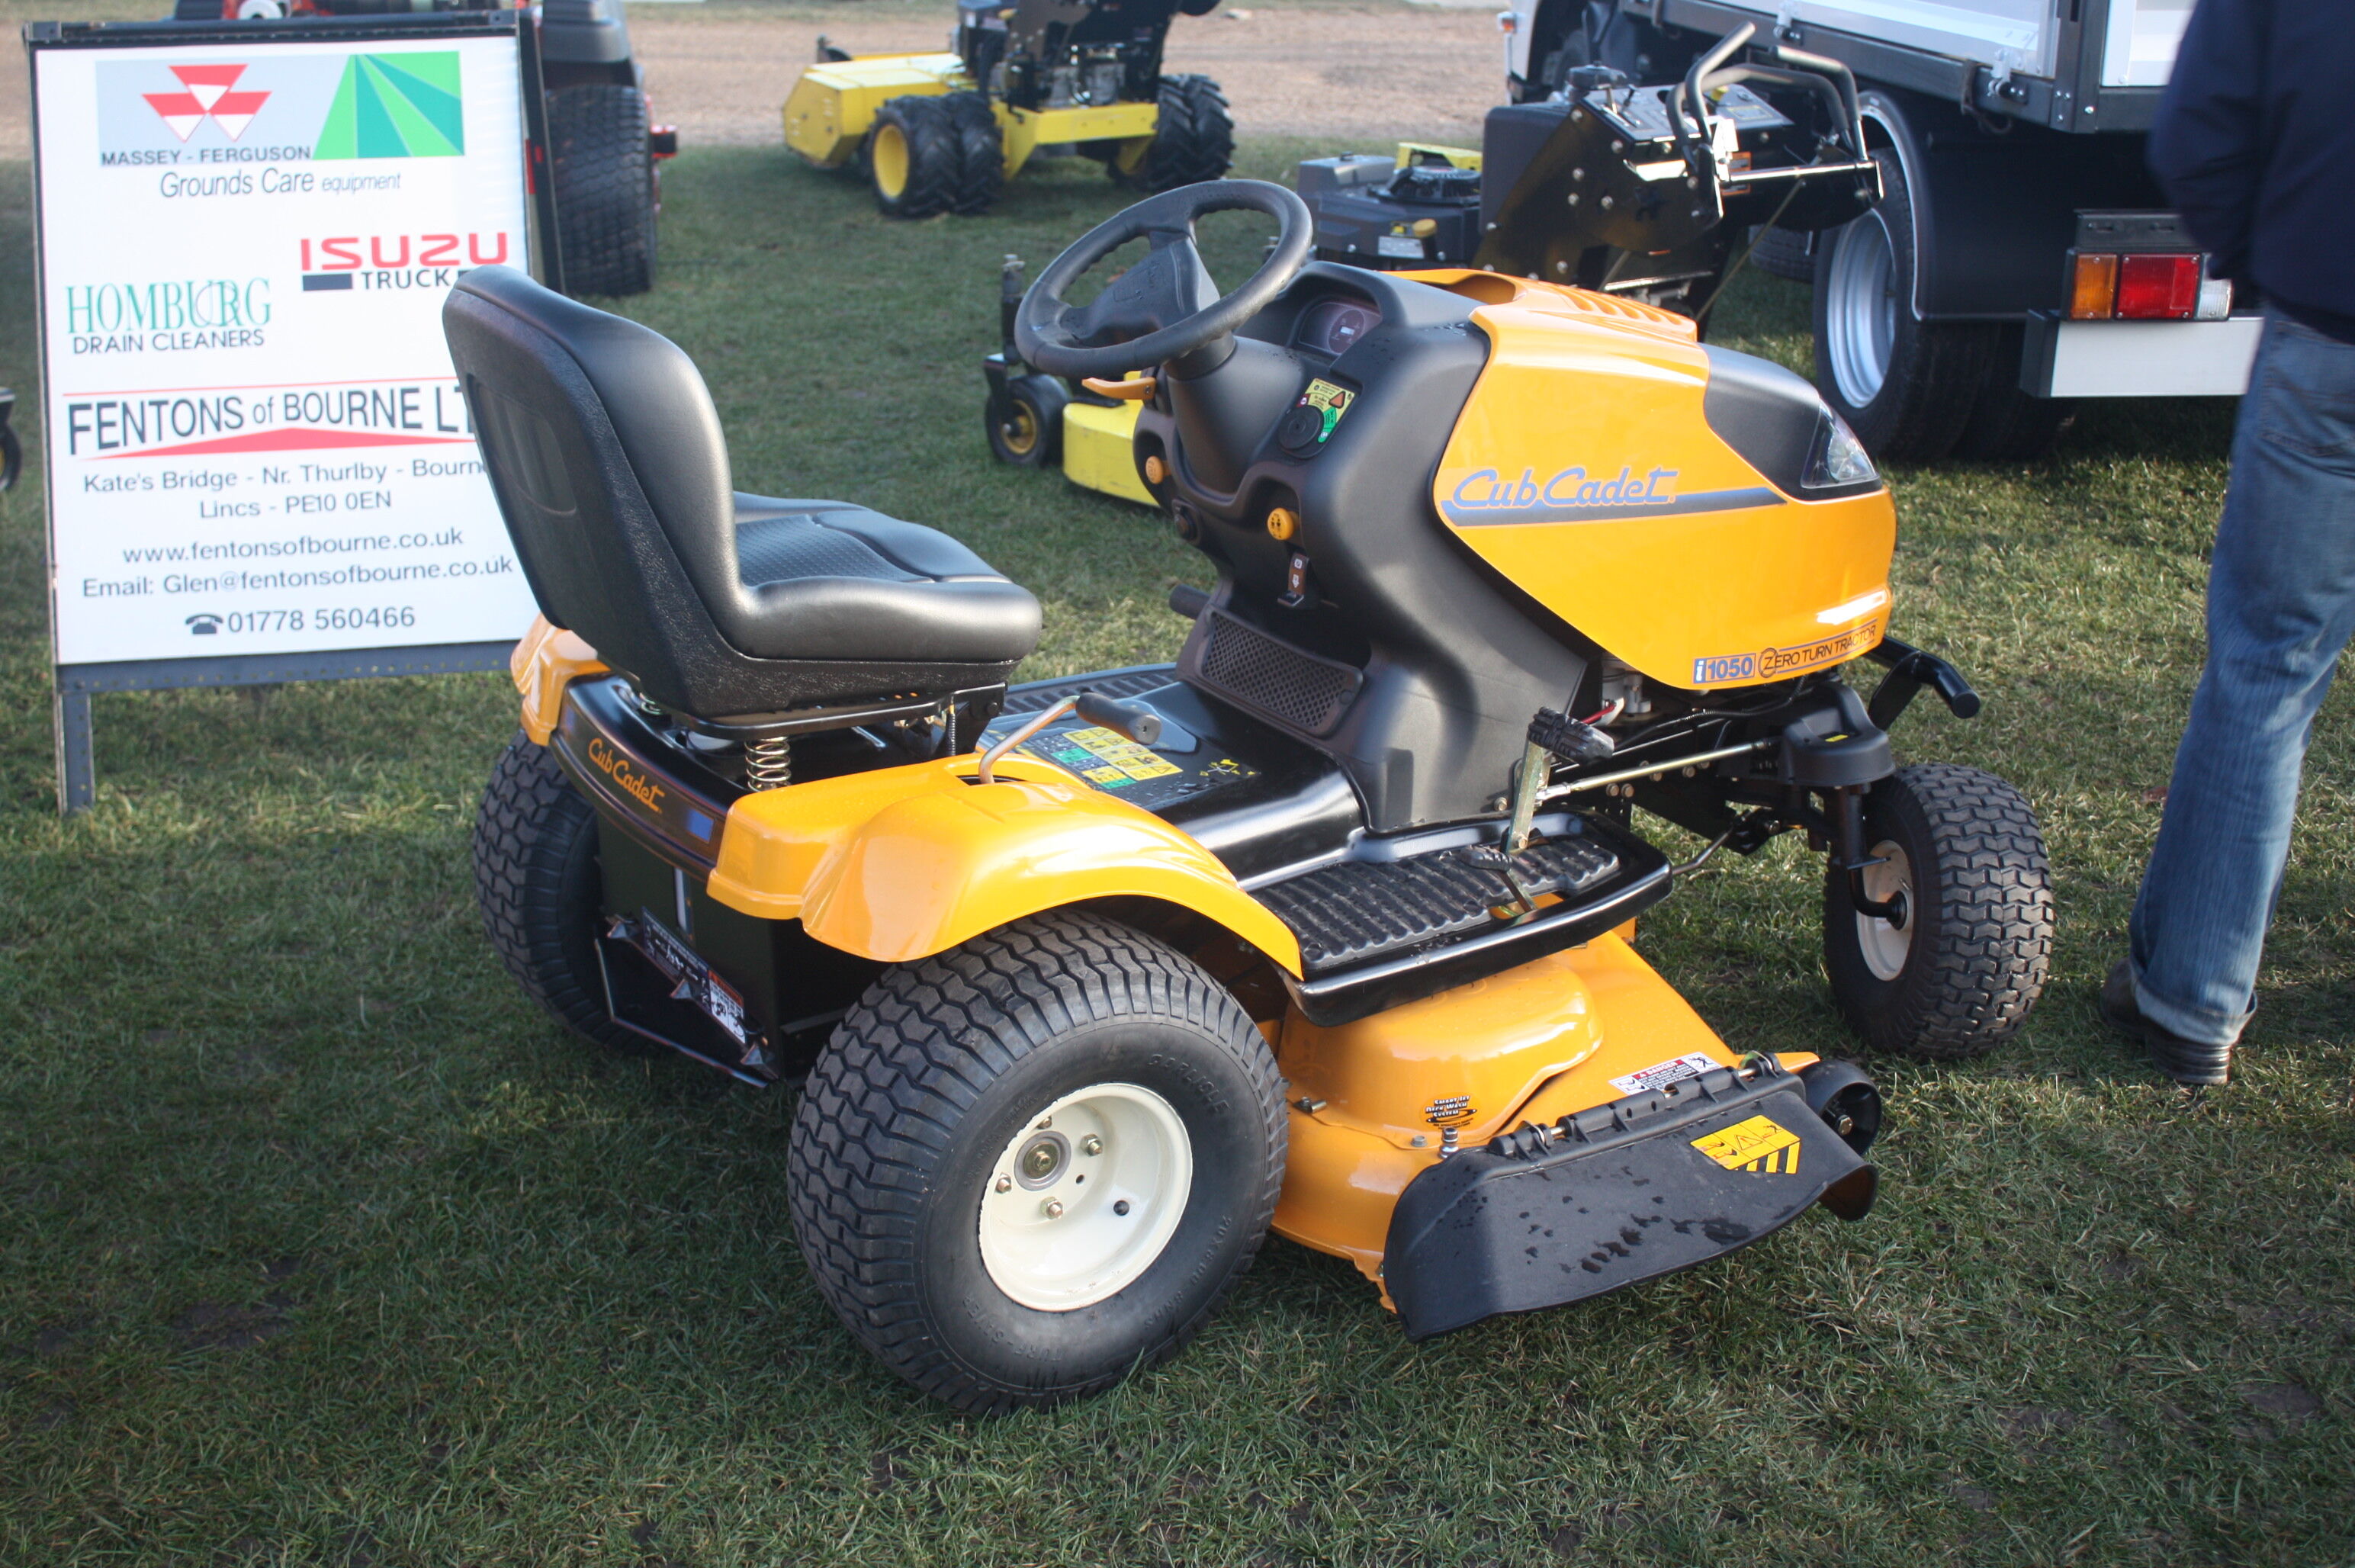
[[1953, 971], [1025, 419], [1033, 1164]]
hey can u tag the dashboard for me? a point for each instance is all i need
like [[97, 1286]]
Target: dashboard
[[1331, 327]]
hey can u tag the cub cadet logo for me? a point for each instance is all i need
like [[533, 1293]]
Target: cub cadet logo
[[618, 768], [1569, 490], [1760, 1143], [379, 261]]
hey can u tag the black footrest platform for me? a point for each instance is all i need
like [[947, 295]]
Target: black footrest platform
[[1375, 933], [1360, 911]]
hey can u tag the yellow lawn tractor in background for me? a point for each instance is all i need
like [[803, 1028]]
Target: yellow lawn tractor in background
[[943, 132], [1328, 929]]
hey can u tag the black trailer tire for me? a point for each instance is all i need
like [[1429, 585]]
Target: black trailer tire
[[912, 159], [602, 164], [981, 153], [1193, 138], [541, 892], [1905, 387], [937, 1089], [1960, 978], [1026, 421], [2007, 425]]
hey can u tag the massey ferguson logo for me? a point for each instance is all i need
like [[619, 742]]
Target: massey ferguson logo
[[210, 94]]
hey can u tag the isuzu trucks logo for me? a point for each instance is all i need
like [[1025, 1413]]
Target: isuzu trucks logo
[[208, 93]]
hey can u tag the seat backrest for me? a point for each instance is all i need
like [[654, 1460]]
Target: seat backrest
[[607, 459]]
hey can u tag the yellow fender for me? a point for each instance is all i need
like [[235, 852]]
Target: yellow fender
[[828, 112], [906, 863]]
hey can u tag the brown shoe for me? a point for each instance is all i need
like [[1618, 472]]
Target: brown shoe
[[2187, 1061]]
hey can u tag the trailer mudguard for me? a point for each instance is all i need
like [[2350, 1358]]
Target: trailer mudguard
[[1638, 1188], [905, 862]]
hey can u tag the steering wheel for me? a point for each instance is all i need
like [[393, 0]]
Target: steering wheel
[[1166, 305]]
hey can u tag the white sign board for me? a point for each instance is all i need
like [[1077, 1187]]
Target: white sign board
[[256, 442]]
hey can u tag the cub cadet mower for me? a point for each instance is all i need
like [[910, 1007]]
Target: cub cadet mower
[[944, 133], [1326, 929], [1641, 192]]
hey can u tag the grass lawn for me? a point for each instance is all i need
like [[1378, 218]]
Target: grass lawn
[[319, 1246]]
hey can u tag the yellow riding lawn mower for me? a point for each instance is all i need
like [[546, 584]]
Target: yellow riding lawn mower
[[943, 132], [1328, 929]]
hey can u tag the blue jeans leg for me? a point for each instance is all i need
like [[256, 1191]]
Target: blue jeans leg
[[2281, 605]]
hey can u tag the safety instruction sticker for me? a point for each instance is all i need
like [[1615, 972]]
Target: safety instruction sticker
[[1329, 400], [1760, 1143], [1661, 1075], [1108, 761]]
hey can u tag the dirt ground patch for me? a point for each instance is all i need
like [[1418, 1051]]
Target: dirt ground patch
[[1358, 77]]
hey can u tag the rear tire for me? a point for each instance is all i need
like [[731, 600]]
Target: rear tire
[[1193, 138], [1026, 421], [912, 159], [981, 153], [1906, 387], [542, 893], [1960, 977], [924, 1218], [602, 166], [2007, 425]]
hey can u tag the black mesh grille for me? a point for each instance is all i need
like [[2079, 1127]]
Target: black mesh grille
[[1363, 909], [778, 550], [1297, 688]]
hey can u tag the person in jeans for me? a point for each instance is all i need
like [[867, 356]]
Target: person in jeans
[[2256, 146]]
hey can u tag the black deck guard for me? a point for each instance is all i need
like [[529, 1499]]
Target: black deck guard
[[1618, 1193]]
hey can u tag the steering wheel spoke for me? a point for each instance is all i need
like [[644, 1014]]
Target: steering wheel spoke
[[1167, 304]]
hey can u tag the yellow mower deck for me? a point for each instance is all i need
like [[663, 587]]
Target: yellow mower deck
[[831, 108]]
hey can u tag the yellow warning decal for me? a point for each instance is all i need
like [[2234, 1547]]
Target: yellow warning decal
[[1758, 1144], [1137, 762]]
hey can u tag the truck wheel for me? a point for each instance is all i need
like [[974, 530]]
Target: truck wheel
[[981, 153], [1034, 1163], [912, 158], [541, 892], [1026, 421], [1957, 977], [2007, 425], [604, 172], [1193, 138], [1906, 387]]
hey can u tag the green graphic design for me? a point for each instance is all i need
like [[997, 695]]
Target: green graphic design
[[395, 106]]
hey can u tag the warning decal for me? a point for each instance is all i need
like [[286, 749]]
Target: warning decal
[[1108, 761], [1661, 1075], [1759, 1144]]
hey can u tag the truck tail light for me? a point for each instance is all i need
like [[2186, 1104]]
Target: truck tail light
[[2159, 288], [2093, 286]]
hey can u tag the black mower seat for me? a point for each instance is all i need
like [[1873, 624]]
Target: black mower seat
[[611, 471]]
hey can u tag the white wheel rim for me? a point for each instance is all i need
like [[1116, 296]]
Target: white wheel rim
[[1860, 317], [1084, 1198], [1884, 945]]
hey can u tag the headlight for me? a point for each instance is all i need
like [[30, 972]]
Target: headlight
[[1838, 458]]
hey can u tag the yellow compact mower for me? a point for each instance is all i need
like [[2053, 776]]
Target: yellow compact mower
[[1326, 929], [943, 132]]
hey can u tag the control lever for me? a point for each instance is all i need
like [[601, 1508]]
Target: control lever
[[1134, 722], [1552, 735]]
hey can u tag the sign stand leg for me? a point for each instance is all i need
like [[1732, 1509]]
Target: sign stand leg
[[77, 774]]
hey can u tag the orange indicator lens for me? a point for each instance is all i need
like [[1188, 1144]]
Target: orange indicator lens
[[2093, 286]]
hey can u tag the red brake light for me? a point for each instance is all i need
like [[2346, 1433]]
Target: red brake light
[[2159, 288]]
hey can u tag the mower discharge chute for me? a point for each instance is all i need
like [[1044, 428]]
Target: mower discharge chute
[[1327, 928], [943, 132], [1645, 192]]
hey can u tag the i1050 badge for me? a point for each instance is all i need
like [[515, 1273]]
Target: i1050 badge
[[1770, 664]]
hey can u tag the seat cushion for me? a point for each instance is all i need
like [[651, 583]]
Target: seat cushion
[[826, 579]]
